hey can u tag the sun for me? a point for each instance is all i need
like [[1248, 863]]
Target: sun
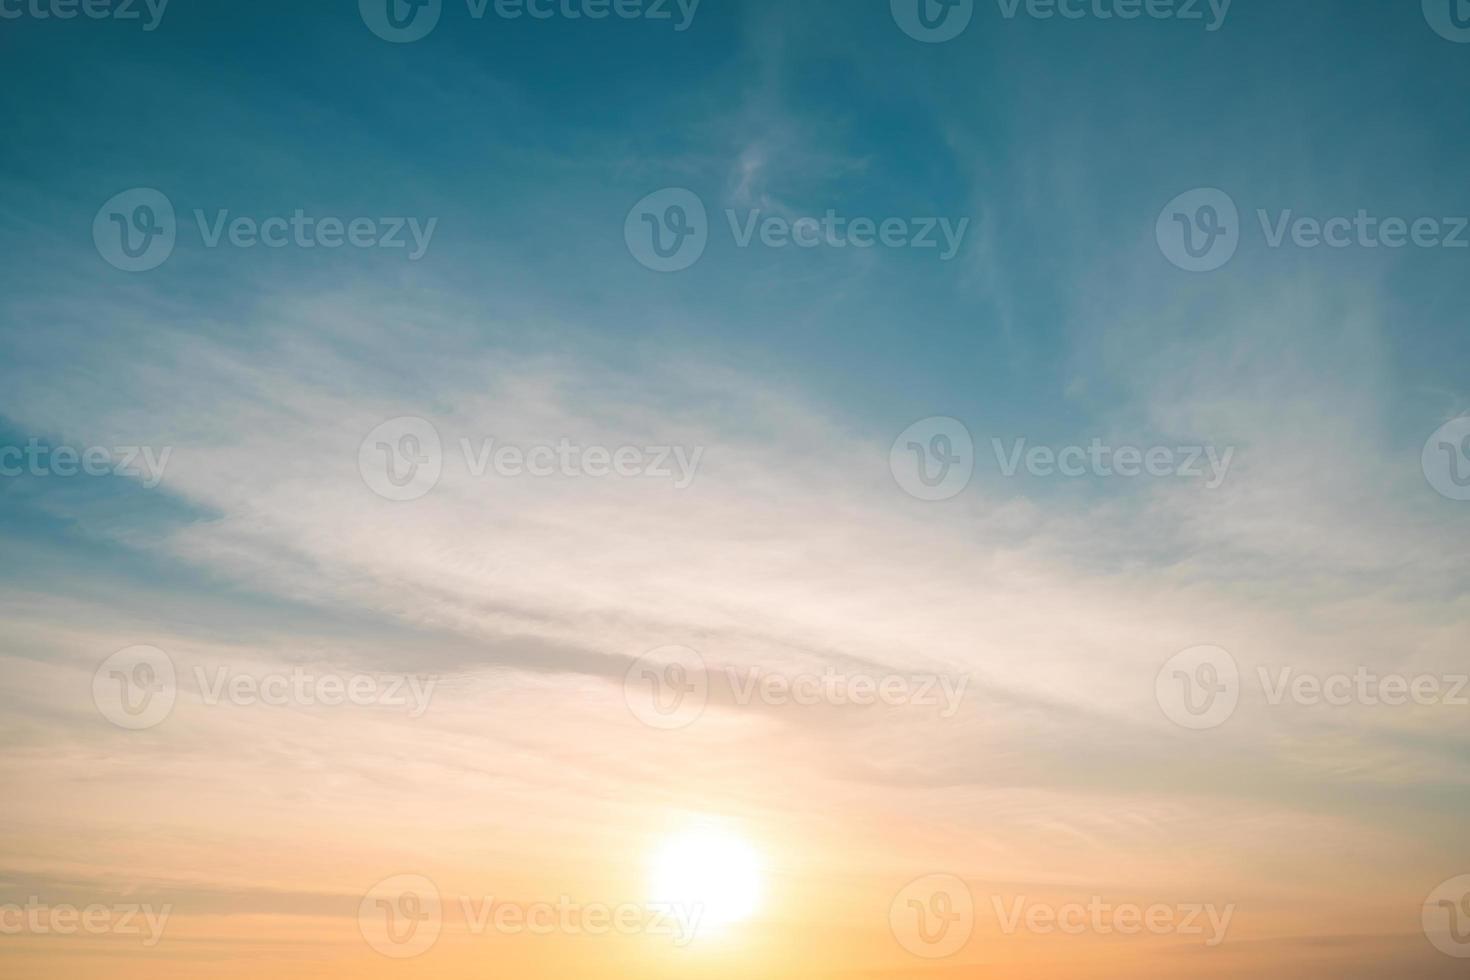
[[710, 874]]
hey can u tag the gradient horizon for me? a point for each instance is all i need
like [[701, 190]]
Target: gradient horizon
[[824, 491]]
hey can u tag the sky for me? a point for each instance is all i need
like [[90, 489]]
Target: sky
[[837, 490]]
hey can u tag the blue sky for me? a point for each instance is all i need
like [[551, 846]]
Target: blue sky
[[1059, 140], [1059, 321]]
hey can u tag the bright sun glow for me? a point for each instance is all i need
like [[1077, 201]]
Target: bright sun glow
[[711, 874]]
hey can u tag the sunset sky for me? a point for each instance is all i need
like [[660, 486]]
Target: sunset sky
[[771, 616]]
